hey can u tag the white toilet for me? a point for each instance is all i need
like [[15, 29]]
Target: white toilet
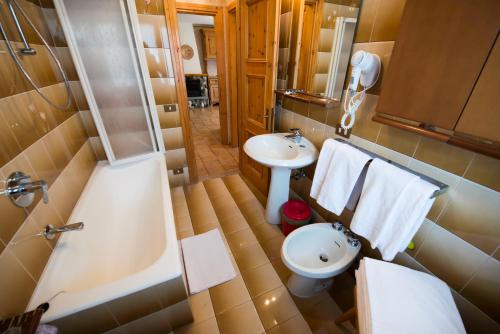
[[316, 253]]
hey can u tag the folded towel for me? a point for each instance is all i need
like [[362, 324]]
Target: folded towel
[[392, 207], [324, 160], [206, 260], [342, 174], [395, 299]]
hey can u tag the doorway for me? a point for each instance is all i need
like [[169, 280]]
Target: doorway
[[202, 57]]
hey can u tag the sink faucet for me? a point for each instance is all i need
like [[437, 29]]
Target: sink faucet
[[296, 135], [50, 231]]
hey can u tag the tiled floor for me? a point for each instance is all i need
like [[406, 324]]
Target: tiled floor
[[212, 158], [257, 300]]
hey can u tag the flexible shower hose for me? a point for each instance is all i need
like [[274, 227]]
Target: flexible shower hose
[[16, 59]]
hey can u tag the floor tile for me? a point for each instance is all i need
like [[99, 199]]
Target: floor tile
[[275, 307], [241, 320], [261, 280]]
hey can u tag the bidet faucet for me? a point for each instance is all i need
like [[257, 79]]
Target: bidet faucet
[[296, 135]]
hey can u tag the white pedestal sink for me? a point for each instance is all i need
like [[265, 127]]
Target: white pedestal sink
[[282, 155]]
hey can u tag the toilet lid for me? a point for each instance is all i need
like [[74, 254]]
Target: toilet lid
[[297, 210]]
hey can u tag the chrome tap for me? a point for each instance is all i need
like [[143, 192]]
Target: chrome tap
[[296, 135], [21, 190], [50, 231]]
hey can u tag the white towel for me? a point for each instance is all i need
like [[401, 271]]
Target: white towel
[[324, 160], [206, 261], [393, 299], [341, 176], [392, 207]]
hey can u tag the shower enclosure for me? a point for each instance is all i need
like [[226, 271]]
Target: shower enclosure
[[105, 43]]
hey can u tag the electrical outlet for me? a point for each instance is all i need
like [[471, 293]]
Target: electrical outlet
[[170, 107], [341, 132], [178, 171]]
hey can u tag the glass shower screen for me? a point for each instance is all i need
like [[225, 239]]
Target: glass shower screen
[[101, 37]]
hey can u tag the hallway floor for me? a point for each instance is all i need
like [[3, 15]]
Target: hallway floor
[[212, 158], [257, 300]]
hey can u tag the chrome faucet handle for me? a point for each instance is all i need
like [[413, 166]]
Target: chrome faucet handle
[[45, 191], [296, 131], [20, 189]]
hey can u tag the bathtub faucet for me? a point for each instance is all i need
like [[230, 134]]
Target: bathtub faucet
[[50, 231]]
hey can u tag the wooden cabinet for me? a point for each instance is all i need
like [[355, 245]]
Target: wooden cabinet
[[481, 116], [209, 43], [444, 71], [213, 89]]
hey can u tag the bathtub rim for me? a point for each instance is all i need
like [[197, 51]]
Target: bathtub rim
[[167, 267]]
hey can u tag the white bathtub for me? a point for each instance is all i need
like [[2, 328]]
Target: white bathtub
[[128, 243]]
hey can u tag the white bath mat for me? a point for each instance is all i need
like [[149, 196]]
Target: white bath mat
[[206, 261]]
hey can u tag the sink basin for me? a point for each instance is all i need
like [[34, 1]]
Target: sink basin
[[282, 155], [316, 253], [275, 150]]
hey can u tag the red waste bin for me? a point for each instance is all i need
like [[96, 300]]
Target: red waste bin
[[294, 214]]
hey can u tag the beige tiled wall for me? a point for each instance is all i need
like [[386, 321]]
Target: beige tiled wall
[[460, 241], [43, 142], [159, 60]]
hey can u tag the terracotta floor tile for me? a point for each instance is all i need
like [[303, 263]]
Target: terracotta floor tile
[[212, 158]]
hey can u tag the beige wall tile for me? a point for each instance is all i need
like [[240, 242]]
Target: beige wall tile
[[164, 90], [472, 214], [315, 132], [366, 20], [326, 40], [387, 19], [154, 323], [449, 257], [483, 290], [45, 214], [154, 31], [450, 158], [420, 236], [168, 119], [402, 141], [58, 148], [364, 126], [17, 286], [176, 158], [475, 321], [484, 170], [88, 123], [152, 7], [156, 59], [34, 252], [172, 138], [10, 147], [74, 133], [41, 162]]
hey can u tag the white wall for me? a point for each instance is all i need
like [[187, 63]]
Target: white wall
[[187, 36]]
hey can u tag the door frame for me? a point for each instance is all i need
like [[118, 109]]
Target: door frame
[[218, 13], [233, 71]]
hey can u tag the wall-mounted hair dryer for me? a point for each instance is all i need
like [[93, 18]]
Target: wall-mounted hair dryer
[[365, 71]]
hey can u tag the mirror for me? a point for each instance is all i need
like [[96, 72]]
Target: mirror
[[315, 44]]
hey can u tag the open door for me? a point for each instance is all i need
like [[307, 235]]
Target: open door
[[259, 40]]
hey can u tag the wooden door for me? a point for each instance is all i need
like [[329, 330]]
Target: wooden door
[[232, 68], [259, 40]]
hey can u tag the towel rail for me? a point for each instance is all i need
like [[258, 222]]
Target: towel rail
[[442, 186]]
